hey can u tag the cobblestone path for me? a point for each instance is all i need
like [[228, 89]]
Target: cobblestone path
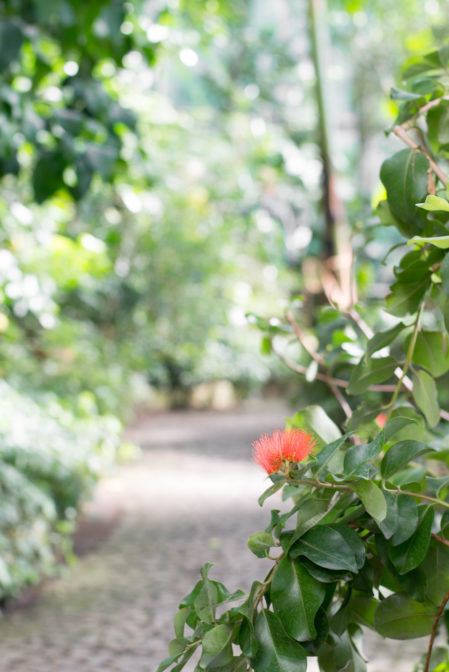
[[190, 498]]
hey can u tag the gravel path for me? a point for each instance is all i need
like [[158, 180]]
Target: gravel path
[[190, 498]]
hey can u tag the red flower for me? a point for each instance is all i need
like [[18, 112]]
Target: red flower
[[291, 445]]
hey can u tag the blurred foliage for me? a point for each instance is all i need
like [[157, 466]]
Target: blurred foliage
[[160, 178]]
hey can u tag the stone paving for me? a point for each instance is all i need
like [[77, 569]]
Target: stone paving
[[190, 498]]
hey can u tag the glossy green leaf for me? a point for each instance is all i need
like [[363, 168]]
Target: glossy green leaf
[[436, 570], [405, 297], [371, 371], [434, 204], [270, 491], [326, 455], [206, 601], [340, 655], [401, 617], [260, 542], [277, 652], [372, 499], [399, 455], [362, 609], [331, 547], [389, 524], [431, 351], [217, 647], [407, 519], [296, 598], [411, 553], [404, 177], [314, 419], [442, 242], [383, 338], [357, 455], [426, 396]]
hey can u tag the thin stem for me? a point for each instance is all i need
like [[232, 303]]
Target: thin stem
[[434, 630], [427, 498], [407, 363], [402, 134], [335, 381], [347, 410], [319, 484], [440, 540]]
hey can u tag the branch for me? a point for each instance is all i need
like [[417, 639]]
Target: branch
[[347, 410], [445, 542], [402, 134], [434, 630], [338, 382], [425, 108]]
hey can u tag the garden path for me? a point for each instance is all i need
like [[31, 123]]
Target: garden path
[[189, 498]]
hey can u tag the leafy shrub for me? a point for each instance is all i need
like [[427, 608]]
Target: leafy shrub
[[363, 537], [49, 461]]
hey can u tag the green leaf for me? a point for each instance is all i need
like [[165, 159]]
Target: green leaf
[[431, 351], [217, 647], [340, 656], [363, 609], [404, 177], [395, 425], [442, 242], [389, 524], [401, 617], [405, 297], [383, 338], [296, 598], [332, 547], [314, 419], [407, 519], [436, 570], [399, 455], [369, 372], [357, 455], [326, 454], [180, 620], [434, 204], [206, 601], [372, 499], [270, 491], [311, 512], [259, 543], [277, 652], [426, 396], [411, 553]]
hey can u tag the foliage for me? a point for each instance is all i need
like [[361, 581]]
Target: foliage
[[49, 461], [362, 539]]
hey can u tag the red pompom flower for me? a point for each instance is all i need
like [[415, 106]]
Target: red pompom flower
[[273, 451]]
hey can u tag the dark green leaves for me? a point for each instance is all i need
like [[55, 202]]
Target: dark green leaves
[[400, 455], [411, 553], [371, 371], [358, 455], [331, 547], [372, 499], [401, 617], [404, 176], [277, 652], [296, 598]]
